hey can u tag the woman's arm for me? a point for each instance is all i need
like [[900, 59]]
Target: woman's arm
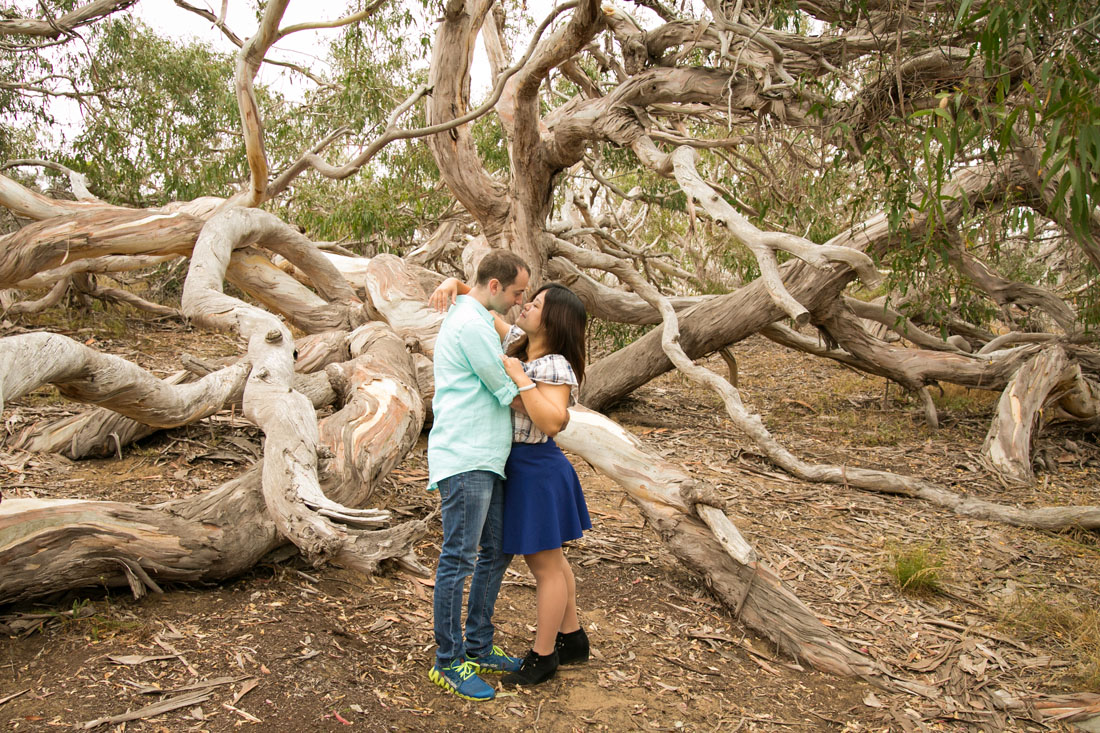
[[444, 295], [502, 326], [547, 404]]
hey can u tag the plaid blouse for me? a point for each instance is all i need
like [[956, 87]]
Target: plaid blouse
[[551, 369]]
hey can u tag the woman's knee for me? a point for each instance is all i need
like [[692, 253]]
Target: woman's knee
[[544, 564]]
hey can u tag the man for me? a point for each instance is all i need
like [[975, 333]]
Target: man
[[467, 449]]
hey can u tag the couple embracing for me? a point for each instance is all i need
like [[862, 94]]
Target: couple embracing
[[505, 488]]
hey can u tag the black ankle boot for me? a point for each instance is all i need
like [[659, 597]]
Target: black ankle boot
[[536, 668], [572, 648]]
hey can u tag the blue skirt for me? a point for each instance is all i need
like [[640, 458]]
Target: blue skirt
[[543, 503]]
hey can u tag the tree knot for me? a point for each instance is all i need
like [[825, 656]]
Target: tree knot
[[692, 492]]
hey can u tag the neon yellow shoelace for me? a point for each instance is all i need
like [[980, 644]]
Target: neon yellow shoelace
[[465, 670]]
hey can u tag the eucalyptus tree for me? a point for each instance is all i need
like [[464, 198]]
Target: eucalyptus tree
[[389, 203], [724, 170]]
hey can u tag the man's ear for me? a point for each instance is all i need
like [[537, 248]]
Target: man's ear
[[495, 286]]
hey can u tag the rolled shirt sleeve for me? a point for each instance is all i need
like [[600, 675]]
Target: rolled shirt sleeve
[[483, 352]]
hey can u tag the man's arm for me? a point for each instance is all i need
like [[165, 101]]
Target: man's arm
[[482, 350]]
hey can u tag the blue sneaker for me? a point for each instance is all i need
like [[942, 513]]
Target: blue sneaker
[[495, 662], [460, 677]]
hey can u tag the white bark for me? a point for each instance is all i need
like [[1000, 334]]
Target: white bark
[[28, 361], [290, 479], [1047, 381], [764, 245]]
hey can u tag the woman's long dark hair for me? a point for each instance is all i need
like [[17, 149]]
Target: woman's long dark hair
[[564, 319]]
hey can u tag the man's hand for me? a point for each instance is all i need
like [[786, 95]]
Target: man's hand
[[514, 367]]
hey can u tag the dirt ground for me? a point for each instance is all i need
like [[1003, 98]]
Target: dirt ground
[[288, 647]]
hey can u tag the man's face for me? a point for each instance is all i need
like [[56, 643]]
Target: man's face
[[502, 299]]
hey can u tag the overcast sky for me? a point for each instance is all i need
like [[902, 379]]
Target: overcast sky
[[307, 48]]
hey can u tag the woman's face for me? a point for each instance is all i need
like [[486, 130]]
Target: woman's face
[[530, 318]]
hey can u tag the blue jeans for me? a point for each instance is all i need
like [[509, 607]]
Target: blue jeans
[[472, 505]]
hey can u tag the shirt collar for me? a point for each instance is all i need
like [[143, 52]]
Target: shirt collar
[[477, 306]]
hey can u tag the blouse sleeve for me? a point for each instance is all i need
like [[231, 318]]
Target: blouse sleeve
[[552, 369], [511, 337]]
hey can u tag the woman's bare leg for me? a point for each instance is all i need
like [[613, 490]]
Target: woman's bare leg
[[569, 621], [551, 597]]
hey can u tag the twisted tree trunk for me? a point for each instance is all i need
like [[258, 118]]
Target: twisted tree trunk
[[225, 531], [1047, 381]]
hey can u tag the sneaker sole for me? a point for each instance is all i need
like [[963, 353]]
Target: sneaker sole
[[443, 682]]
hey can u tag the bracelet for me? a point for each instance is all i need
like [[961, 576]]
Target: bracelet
[[529, 386]]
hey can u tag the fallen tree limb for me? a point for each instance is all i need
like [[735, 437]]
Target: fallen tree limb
[[255, 274], [749, 587], [1047, 380], [224, 532], [28, 361], [883, 481], [101, 431], [91, 233]]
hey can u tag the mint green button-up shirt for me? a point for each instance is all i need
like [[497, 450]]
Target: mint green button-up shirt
[[472, 428]]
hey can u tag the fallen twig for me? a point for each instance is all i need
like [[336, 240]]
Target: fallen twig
[[13, 696], [246, 688], [202, 685], [164, 706], [247, 716]]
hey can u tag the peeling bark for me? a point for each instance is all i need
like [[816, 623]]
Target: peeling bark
[[726, 319], [52, 242], [455, 151], [290, 480], [29, 361], [315, 477], [255, 274], [1007, 446], [221, 533], [401, 301], [382, 411], [753, 427], [705, 328], [65, 24], [101, 431], [50, 545]]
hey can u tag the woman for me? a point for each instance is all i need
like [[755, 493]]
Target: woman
[[544, 506]]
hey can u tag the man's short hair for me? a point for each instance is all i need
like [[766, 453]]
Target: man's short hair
[[500, 264]]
